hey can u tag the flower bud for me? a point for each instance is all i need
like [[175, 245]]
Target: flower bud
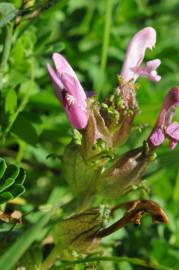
[[111, 120], [127, 109]]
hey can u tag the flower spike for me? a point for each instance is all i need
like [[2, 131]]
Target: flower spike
[[132, 69], [69, 91]]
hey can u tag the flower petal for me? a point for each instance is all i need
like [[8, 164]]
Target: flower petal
[[172, 131], [76, 115], [142, 40], [73, 88], [62, 66], [157, 137], [149, 70], [172, 98], [172, 144], [153, 64], [151, 67], [77, 109], [56, 82], [164, 126], [69, 91]]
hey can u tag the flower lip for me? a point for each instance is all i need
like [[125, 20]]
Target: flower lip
[[149, 70], [153, 64], [173, 131], [157, 137]]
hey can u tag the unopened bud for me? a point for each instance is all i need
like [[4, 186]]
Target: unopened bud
[[119, 111]]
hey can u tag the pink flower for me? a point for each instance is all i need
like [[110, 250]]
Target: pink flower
[[132, 68], [69, 91], [164, 128]]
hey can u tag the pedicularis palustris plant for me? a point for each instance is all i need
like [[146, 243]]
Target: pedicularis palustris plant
[[90, 163]]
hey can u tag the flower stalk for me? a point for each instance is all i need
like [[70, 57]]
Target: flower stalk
[[105, 45], [7, 48]]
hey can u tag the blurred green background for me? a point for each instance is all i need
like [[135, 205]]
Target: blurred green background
[[93, 36]]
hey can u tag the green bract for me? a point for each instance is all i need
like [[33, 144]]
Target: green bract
[[79, 173], [79, 232]]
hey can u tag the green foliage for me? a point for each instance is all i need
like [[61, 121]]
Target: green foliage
[[7, 13], [11, 181], [33, 125]]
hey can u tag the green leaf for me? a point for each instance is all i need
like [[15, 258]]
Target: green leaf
[[32, 258], [10, 102], [25, 130], [21, 177], [9, 176], [6, 196], [7, 13], [11, 181], [3, 167], [74, 5], [12, 171], [9, 259], [7, 183], [176, 189], [17, 190]]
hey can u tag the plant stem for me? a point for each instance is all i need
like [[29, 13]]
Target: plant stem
[[20, 153], [104, 52], [7, 47], [5, 56], [135, 261], [51, 258]]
